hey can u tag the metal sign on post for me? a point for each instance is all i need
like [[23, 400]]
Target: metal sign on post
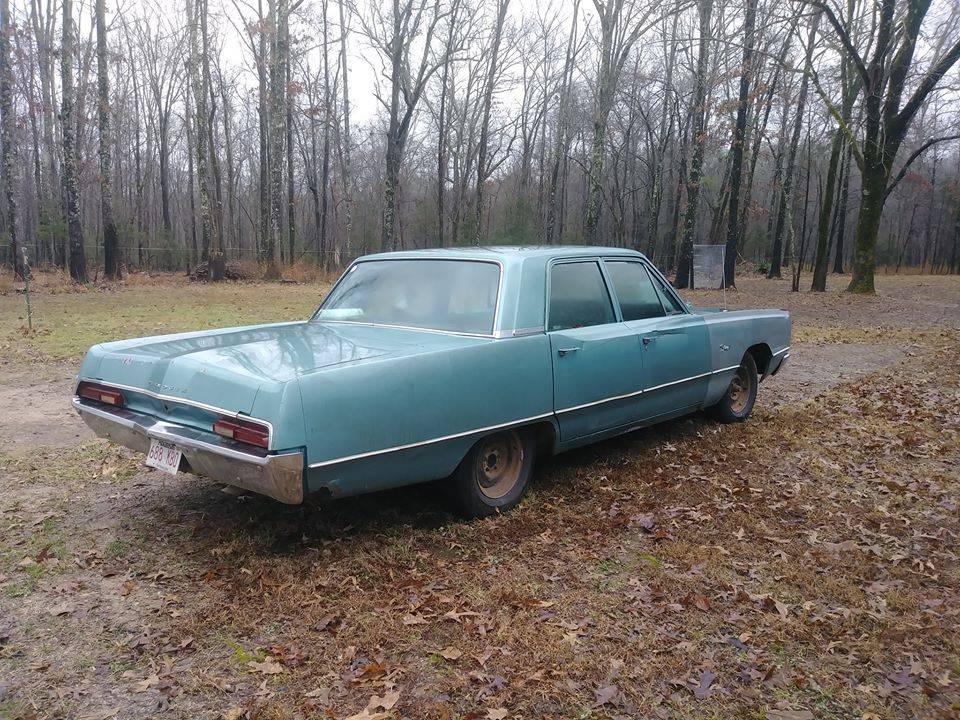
[[708, 272]]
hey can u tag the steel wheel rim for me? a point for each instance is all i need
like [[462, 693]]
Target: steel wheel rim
[[499, 462], [740, 390]]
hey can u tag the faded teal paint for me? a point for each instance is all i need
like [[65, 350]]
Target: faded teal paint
[[375, 407]]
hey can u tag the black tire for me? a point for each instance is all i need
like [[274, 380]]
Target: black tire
[[737, 402], [494, 475]]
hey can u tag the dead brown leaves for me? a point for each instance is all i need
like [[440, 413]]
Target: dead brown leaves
[[803, 564]]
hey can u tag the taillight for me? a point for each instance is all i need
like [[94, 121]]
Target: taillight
[[100, 393], [245, 431]]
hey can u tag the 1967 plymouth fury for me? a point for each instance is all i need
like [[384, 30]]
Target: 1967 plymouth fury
[[465, 364]]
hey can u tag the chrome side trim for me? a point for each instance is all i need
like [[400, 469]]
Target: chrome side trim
[[601, 402], [409, 446], [521, 332], [180, 401], [646, 390], [778, 352]]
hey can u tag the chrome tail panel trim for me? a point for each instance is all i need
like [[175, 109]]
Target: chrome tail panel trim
[[207, 454]]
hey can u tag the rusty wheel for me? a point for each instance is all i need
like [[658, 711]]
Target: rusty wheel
[[737, 403], [740, 390], [500, 460], [494, 475]]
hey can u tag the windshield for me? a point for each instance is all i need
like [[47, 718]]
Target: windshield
[[451, 295]]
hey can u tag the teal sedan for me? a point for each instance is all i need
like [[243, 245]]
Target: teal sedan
[[467, 364]]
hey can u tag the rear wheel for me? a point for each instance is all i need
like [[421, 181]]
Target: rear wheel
[[494, 475], [737, 403]]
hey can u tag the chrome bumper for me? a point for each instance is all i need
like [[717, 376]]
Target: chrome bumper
[[207, 454]]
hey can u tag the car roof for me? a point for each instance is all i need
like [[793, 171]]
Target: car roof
[[505, 252]]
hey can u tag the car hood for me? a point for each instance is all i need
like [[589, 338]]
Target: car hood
[[226, 368]]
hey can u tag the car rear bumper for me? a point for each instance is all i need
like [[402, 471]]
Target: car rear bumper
[[204, 453]]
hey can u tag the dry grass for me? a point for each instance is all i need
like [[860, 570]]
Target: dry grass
[[803, 564]]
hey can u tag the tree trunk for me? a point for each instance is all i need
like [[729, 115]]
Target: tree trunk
[[822, 254], [325, 173], [734, 228], [874, 178], [346, 179], [6, 136], [111, 259], [786, 190], [288, 131], [201, 136], [487, 101], [217, 257], [698, 139], [840, 220], [71, 179]]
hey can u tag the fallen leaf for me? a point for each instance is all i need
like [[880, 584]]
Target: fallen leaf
[[147, 683], [606, 695], [703, 685], [789, 715], [497, 713], [451, 653], [267, 667], [62, 609], [386, 702], [321, 693]]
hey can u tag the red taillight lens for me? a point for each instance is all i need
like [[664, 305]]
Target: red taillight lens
[[244, 431], [100, 393]]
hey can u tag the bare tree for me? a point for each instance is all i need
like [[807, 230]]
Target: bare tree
[[483, 168], [684, 276], [6, 135], [393, 33], [71, 179], [734, 226], [785, 207], [884, 79], [111, 252]]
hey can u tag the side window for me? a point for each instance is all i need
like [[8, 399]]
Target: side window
[[638, 298], [578, 296], [669, 299]]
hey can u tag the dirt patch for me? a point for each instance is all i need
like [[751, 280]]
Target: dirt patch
[[37, 408], [814, 369]]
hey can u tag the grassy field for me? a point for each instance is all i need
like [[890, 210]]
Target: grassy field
[[68, 323], [801, 565]]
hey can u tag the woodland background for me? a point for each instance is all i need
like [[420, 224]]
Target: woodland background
[[811, 135]]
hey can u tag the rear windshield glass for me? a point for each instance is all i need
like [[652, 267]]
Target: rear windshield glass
[[450, 295]]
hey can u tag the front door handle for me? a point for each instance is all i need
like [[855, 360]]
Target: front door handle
[[566, 351], [647, 339]]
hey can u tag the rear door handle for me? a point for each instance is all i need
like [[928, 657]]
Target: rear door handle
[[566, 351], [647, 339]]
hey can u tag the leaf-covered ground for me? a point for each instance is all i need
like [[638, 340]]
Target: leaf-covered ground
[[802, 565]]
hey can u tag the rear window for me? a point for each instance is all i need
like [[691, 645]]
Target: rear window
[[448, 295]]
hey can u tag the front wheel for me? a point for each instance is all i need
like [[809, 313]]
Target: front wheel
[[738, 400], [494, 475]]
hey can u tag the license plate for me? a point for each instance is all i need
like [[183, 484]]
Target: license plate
[[164, 456]]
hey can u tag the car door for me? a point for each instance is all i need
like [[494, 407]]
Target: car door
[[597, 361], [674, 343]]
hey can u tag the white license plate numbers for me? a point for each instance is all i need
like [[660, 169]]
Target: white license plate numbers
[[164, 456]]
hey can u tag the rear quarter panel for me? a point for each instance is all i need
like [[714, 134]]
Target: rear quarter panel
[[731, 333], [387, 404]]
